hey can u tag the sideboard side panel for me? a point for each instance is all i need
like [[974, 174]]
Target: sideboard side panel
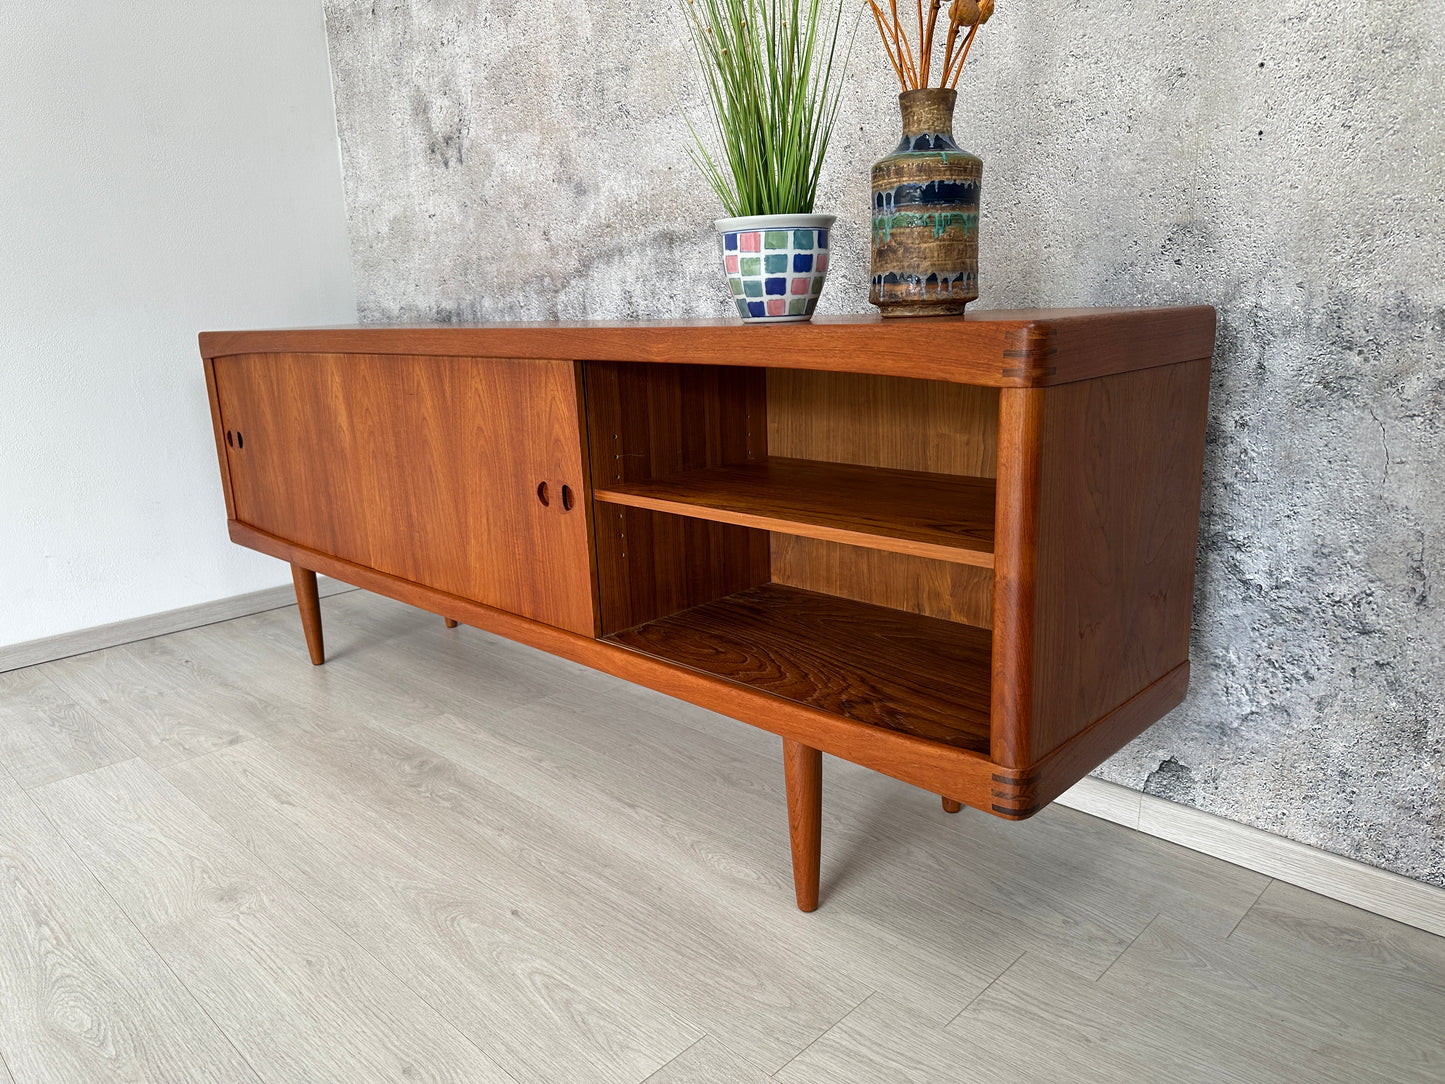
[[1121, 464]]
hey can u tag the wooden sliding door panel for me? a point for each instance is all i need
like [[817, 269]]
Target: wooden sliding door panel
[[425, 468]]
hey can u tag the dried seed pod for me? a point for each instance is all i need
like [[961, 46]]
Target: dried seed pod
[[964, 12], [985, 9]]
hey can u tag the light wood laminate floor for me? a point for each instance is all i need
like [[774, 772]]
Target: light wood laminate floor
[[443, 857]]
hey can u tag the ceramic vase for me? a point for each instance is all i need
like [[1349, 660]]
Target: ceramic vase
[[925, 214], [775, 264]]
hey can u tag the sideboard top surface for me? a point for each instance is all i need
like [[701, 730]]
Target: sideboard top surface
[[997, 347]]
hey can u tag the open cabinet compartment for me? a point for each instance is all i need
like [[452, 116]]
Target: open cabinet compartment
[[823, 537]]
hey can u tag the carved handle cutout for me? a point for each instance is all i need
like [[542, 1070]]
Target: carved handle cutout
[[567, 501], [542, 494]]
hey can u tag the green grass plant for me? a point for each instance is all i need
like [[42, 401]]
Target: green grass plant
[[773, 73]]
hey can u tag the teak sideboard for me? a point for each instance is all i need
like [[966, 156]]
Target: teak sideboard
[[959, 551]]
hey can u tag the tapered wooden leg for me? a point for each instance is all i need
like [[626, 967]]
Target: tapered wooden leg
[[803, 769], [309, 602], [950, 806], [450, 623]]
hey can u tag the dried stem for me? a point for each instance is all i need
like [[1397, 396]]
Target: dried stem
[[948, 49], [905, 51], [928, 39], [962, 56], [888, 46], [915, 70]]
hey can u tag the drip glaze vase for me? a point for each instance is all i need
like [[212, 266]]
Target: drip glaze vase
[[925, 214], [775, 264]]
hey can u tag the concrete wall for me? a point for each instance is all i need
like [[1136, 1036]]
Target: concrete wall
[[1283, 162], [165, 167]]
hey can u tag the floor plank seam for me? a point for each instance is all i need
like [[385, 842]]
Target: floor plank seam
[[1248, 909], [822, 1033], [973, 1000], [329, 921], [653, 1075], [80, 775], [88, 714], [160, 956], [1127, 947], [92, 716]]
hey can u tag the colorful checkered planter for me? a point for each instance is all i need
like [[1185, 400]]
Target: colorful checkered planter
[[775, 264]]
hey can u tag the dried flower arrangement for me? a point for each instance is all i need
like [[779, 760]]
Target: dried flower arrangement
[[912, 61]]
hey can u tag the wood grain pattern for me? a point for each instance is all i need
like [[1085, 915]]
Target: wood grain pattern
[[647, 421], [693, 799], [886, 1041], [941, 589], [1179, 1005], [45, 735], [1121, 464], [601, 927], [944, 517], [291, 991], [577, 953], [494, 945], [640, 838], [1015, 563], [453, 449], [651, 564], [82, 996], [803, 771], [883, 421], [166, 700], [708, 1062], [885, 668], [650, 421], [309, 605], [1096, 743], [1001, 348]]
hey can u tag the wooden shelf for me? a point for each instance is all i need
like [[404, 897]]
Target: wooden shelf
[[886, 668], [943, 516]]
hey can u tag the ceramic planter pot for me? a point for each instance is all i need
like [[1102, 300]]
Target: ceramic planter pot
[[775, 264], [925, 214]]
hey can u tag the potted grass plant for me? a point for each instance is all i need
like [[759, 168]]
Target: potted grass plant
[[773, 71]]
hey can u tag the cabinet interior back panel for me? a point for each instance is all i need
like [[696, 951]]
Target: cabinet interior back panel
[[883, 421], [942, 589]]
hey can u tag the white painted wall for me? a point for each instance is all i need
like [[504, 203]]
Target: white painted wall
[[166, 167]]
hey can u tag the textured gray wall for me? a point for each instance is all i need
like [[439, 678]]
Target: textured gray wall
[[1284, 162]]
